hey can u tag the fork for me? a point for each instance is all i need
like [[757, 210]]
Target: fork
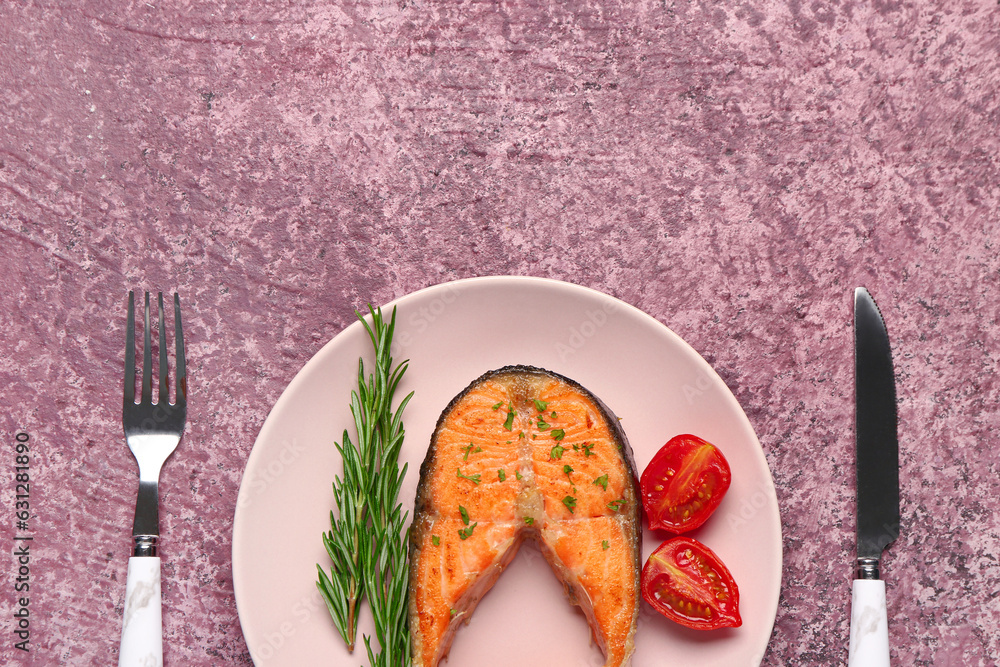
[[152, 431]]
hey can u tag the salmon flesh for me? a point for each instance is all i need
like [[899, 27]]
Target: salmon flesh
[[525, 453]]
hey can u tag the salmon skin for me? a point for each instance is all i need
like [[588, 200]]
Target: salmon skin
[[524, 453]]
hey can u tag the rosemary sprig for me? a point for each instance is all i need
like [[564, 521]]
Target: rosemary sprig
[[366, 542]]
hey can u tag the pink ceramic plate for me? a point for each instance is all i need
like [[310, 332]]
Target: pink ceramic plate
[[451, 334]]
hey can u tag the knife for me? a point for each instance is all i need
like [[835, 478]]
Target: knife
[[877, 481]]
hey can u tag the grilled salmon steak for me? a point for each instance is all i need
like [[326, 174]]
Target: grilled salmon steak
[[525, 453]]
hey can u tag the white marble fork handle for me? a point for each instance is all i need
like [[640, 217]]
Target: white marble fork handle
[[869, 645], [142, 628]]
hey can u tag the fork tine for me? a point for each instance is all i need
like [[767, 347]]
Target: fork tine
[[181, 367], [147, 359], [163, 397], [130, 351]]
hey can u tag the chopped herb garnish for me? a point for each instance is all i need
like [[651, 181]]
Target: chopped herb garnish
[[567, 469], [605, 545], [470, 448], [496, 406], [466, 533], [475, 479], [518, 474], [557, 452], [465, 514], [521, 435], [540, 405], [542, 424], [452, 612], [509, 422], [552, 414], [570, 503], [615, 505], [501, 474], [435, 540], [587, 446], [528, 520], [558, 433], [602, 482]]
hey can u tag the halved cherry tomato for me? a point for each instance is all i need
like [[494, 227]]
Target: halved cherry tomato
[[684, 483], [686, 582]]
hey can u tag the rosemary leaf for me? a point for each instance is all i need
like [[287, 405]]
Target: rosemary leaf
[[367, 542]]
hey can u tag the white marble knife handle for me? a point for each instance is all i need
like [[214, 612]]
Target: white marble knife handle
[[869, 645], [142, 628]]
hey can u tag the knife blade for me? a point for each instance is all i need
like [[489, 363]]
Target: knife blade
[[877, 470]]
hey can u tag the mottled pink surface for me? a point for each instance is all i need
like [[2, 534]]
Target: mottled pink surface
[[734, 169]]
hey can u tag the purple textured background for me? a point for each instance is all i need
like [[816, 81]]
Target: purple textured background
[[734, 169]]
